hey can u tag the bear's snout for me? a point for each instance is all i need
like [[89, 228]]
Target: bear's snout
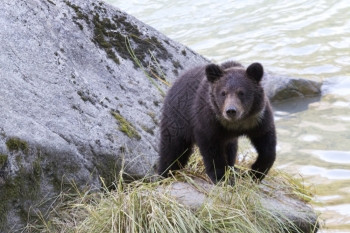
[[231, 112], [232, 109]]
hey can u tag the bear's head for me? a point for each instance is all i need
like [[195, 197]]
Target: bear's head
[[236, 94]]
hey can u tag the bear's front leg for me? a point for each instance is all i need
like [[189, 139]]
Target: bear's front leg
[[265, 145], [214, 158], [231, 152]]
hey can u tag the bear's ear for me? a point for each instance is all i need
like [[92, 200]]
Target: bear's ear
[[213, 72], [255, 71]]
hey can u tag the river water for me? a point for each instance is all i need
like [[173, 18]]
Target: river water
[[301, 38]]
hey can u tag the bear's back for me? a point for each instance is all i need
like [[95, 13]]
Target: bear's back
[[181, 95]]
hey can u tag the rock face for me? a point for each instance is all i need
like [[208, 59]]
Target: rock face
[[75, 100], [82, 86]]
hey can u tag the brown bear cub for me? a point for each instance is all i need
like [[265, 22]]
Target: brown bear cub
[[211, 106]]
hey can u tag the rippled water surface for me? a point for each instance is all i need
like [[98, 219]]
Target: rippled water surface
[[307, 39]]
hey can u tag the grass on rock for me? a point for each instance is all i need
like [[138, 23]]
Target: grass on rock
[[143, 206]]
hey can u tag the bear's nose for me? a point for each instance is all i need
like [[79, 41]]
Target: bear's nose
[[231, 111]]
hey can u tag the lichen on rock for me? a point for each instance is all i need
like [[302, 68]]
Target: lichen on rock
[[16, 144], [3, 160], [118, 35], [125, 126]]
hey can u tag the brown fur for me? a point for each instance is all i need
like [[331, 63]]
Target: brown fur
[[212, 106]]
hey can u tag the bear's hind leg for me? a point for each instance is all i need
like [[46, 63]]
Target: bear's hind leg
[[174, 155]]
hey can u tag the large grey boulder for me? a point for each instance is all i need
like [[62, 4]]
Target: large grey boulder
[[82, 86], [74, 102]]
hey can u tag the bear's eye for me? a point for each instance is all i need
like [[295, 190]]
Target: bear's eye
[[240, 93], [223, 93]]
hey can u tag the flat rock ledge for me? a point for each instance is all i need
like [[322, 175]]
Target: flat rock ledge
[[82, 86], [293, 211]]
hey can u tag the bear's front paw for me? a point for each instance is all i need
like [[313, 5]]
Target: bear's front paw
[[233, 175], [256, 176]]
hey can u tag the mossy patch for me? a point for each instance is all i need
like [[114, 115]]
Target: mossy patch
[[16, 144], [116, 34], [23, 188], [120, 38], [125, 126], [79, 15], [108, 168], [147, 129], [51, 2], [153, 116], [156, 103], [3, 160], [86, 97], [78, 12], [177, 65], [99, 36], [57, 170], [21, 194]]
